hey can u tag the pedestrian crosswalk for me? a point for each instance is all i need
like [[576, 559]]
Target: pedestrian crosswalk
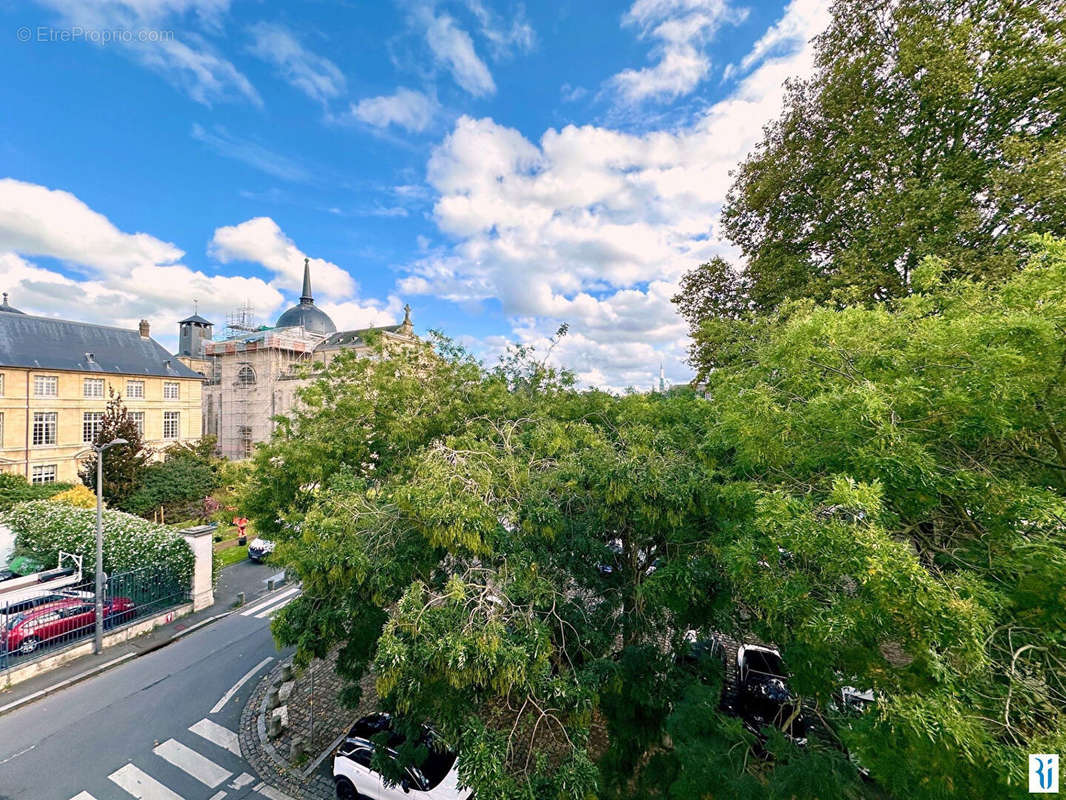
[[201, 768], [272, 604]]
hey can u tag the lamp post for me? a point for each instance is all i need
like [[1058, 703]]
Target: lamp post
[[99, 643]]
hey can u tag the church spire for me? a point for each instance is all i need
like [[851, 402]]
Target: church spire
[[306, 296]]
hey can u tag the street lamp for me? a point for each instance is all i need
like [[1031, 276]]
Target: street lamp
[[99, 643]]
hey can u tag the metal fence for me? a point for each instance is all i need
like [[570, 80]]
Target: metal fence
[[48, 621]]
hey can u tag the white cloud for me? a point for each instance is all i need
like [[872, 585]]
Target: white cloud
[[453, 48], [354, 314], [251, 153], [680, 29], [791, 32], [38, 221], [120, 277], [594, 226], [314, 75], [503, 37], [183, 57], [261, 241], [406, 108]]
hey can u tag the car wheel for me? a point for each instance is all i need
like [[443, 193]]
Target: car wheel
[[346, 790], [29, 644]]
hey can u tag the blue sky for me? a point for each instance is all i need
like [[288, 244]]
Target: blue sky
[[502, 167]]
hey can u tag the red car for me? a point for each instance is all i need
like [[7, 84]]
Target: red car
[[67, 618]]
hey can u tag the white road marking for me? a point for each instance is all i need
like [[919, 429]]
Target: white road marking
[[218, 734], [19, 753], [271, 792], [235, 687], [218, 795], [270, 612], [142, 785], [188, 760], [241, 780], [83, 796], [269, 601]]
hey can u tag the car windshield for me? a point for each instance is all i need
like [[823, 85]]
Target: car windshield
[[438, 763], [15, 620]]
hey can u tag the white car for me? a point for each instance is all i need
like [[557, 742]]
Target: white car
[[436, 779]]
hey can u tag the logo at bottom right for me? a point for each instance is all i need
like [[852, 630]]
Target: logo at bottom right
[[1043, 773]]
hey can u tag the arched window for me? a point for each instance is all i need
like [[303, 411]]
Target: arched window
[[246, 376]]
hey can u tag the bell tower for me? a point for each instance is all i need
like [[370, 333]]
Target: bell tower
[[193, 333]]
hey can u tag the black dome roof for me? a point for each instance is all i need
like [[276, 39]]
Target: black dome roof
[[305, 315], [309, 317]]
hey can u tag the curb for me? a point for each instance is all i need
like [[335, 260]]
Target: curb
[[93, 671]]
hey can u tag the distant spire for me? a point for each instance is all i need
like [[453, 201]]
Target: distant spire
[[662, 378], [306, 296]]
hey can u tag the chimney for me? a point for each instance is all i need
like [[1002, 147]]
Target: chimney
[[144, 328]]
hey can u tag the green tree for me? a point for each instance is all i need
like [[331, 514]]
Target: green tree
[[928, 128], [876, 490], [124, 465]]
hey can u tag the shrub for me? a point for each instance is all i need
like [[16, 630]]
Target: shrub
[[42, 528], [16, 489], [77, 496], [178, 483]]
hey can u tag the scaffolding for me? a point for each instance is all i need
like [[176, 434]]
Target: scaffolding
[[241, 321]]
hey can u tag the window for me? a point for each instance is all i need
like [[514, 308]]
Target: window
[[45, 386], [44, 427], [43, 473], [90, 425], [1, 384], [246, 376], [171, 390], [134, 390], [93, 387], [1, 430], [138, 419], [170, 424]]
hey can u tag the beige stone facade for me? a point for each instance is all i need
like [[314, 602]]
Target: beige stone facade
[[56, 377], [259, 375], [59, 406]]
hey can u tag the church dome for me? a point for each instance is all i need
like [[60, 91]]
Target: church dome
[[306, 315], [309, 317]]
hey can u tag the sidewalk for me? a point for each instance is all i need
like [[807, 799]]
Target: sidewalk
[[243, 576], [317, 719]]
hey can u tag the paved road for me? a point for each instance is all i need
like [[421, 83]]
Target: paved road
[[159, 727]]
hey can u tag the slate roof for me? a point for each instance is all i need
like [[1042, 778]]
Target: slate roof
[[352, 338], [47, 343], [197, 318]]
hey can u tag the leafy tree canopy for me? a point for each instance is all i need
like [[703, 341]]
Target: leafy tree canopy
[[124, 464], [928, 128], [880, 491]]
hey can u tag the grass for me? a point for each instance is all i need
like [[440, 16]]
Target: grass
[[231, 555]]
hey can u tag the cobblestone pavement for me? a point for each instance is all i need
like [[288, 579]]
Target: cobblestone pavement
[[312, 777]]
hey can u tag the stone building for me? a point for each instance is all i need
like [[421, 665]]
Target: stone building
[[254, 374], [55, 377]]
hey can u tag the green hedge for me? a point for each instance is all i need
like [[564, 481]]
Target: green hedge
[[43, 528], [16, 489]]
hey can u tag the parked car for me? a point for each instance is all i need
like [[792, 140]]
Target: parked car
[[436, 779], [68, 617], [763, 695], [259, 550]]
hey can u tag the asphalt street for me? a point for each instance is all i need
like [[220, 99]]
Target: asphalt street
[[159, 727]]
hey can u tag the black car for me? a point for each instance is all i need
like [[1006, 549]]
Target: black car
[[763, 696]]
